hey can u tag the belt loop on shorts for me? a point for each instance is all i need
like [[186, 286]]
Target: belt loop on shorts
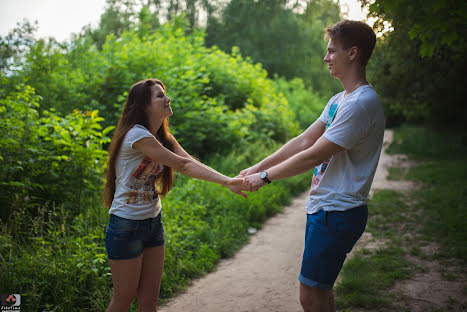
[[326, 218]]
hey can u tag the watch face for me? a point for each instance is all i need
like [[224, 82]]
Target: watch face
[[263, 174]]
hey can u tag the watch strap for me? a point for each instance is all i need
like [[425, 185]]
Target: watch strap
[[265, 178]]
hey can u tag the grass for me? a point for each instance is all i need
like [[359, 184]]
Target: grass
[[367, 275], [397, 173], [408, 222], [444, 193]]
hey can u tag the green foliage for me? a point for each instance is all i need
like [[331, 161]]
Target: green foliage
[[49, 158], [219, 100], [285, 36], [146, 16], [415, 88], [14, 45], [437, 24], [118, 17], [306, 104], [63, 267]]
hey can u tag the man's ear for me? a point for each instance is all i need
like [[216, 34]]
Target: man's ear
[[353, 53]]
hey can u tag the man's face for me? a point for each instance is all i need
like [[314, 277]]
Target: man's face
[[337, 59]]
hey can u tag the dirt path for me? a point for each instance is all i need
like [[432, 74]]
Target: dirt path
[[262, 276]]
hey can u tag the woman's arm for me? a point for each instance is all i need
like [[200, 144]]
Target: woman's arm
[[185, 165], [180, 151]]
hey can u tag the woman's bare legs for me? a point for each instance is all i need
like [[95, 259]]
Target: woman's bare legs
[[125, 278], [150, 278]]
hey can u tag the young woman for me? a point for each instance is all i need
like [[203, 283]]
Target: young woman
[[142, 156]]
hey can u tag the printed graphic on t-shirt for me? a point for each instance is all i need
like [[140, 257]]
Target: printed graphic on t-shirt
[[144, 190], [321, 169]]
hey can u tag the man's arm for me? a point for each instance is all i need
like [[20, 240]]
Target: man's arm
[[300, 163], [291, 148]]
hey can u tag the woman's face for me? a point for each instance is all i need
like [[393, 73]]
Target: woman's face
[[160, 103]]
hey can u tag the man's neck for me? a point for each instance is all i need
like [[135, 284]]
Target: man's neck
[[353, 80]]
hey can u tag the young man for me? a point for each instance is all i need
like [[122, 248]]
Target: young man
[[343, 147]]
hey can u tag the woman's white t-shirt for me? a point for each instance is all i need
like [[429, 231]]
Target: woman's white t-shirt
[[136, 196]]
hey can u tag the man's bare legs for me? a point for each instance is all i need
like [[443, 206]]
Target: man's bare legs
[[316, 300]]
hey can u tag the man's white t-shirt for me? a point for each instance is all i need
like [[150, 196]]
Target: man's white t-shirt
[[136, 196], [356, 123]]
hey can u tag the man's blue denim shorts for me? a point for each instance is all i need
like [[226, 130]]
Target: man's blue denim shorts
[[126, 239], [329, 236]]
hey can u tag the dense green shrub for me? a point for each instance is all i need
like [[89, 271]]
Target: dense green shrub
[[219, 100], [304, 102], [63, 267], [47, 158]]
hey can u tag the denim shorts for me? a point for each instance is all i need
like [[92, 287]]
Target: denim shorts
[[329, 236], [126, 239]]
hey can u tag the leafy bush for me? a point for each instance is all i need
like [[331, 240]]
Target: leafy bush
[[304, 102], [219, 100], [49, 158], [62, 268]]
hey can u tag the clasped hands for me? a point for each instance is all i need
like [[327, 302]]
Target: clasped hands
[[248, 180]]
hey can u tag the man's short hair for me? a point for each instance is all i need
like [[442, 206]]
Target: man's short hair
[[354, 33]]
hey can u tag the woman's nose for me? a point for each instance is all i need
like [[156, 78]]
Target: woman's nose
[[167, 99]]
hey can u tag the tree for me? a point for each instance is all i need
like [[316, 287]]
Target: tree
[[437, 24], [14, 45], [285, 36], [147, 15], [418, 68], [118, 16]]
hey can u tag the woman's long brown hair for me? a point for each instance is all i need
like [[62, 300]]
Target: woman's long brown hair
[[134, 113]]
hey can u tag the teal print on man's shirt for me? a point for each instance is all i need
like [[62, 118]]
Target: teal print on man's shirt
[[331, 114]]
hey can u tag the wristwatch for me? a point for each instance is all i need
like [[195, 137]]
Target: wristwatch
[[264, 175]]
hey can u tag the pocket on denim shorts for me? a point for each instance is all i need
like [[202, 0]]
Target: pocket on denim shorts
[[120, 228]]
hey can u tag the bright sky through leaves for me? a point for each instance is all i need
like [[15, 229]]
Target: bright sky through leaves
[[60, 18]]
